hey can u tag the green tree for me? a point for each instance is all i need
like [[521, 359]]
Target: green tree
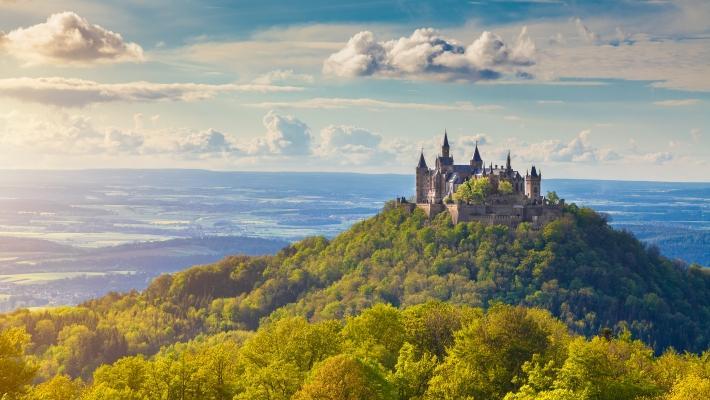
[[488, 355], [605, 369], [15, 371], [61, 387], [278, 357], [430, 327], [345, 377], [553, 198], [505, 187], [413, 372], [376, 334], [691, 387], [473, 191]]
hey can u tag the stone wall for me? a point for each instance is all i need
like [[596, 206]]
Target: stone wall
[[497, 214]]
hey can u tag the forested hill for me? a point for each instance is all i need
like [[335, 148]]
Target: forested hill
[[588, 275]]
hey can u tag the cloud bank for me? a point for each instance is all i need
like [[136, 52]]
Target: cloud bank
[[68, 38], [427, 54], [375, 104], [65, 92]]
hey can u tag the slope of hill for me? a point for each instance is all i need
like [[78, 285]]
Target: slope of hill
[[582, 271]]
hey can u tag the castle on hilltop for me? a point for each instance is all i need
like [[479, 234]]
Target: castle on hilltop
[[501, 195]]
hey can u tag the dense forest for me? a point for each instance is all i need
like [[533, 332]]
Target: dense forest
[[429, 351], [308, 306]]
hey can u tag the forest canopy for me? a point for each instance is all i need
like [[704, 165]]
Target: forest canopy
[[428, 351]]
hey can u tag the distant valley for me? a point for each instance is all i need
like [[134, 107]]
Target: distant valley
[[67, 236]]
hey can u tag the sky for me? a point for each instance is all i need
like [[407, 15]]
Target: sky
[[581, 89]]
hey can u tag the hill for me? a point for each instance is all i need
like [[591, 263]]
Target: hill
[[588, 275]]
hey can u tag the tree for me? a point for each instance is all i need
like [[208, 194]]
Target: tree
[[488, 355], [553, 198], [505, 187], [15, 371], [376, 334], [473, 191], [691, 387], [61, 387], [277, 358], [430, 326], [413, 372], [126, 376], [344, 377], [605, 369]]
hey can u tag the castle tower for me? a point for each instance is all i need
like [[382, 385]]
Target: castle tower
[[477, 161], [422, 178], [533, 182], [445, 147]]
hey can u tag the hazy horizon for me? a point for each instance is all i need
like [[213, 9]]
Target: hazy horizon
[[313, 172]]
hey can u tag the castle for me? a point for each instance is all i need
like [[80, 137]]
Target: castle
[[509, 198]]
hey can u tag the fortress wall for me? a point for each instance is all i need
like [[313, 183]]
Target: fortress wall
[[431, 210], [502, 214]]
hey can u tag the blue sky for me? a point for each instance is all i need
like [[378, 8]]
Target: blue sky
[[603, 89]]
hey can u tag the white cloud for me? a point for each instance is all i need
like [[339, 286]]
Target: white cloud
[[584, 32], [285, 135], [669, 49], [68, 38], [337, 103], [677, 102], [470, 141], [617, 38], [207, 141], [579, 149], [427, 54], [281, 76], [64, 134], [120, 141], [660, 157], [350, 145], [65, 92]]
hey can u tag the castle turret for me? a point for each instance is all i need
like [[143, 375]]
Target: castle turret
[[422, 179], [477, 161], [422, 161], [445, 147], [508, 168], [532, 184]]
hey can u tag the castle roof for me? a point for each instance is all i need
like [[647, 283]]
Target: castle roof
[[476, 154], [446, 139], [422, 161], [533, 172]]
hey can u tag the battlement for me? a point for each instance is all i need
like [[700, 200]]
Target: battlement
[[538, 214], [511, 215]]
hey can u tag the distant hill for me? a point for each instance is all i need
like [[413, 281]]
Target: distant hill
[[584, 272]]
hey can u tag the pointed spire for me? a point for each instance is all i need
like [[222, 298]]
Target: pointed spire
[[533, 172], [422, 161], [507, 162], [476, 154], [445, 147]]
